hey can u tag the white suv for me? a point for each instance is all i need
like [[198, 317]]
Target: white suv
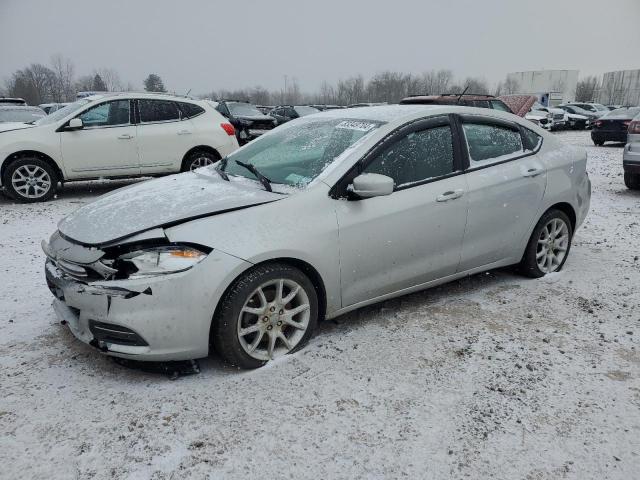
[[108, 136]]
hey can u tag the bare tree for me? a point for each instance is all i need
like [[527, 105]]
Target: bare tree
[[63, 86], [33, 83], [110, 78], [586, 89]]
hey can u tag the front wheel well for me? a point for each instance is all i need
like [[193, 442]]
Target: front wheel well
[[301, 265], [31, 153], [199, 148]]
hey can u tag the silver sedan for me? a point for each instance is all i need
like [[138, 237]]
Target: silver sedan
[[321, 216]]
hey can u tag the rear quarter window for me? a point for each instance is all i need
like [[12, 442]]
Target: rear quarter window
[[190, 110]]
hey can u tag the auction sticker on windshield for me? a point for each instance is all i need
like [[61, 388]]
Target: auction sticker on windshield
[[356, 125]]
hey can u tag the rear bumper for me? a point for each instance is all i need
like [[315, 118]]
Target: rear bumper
[[631, 158], [605, 136]]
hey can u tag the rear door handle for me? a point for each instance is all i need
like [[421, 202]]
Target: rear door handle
[[184, 132], [533, 172], [126, 136], [450, 195]]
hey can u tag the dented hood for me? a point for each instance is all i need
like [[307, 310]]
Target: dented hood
[[162, 202]]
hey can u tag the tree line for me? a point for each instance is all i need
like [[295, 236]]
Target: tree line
[[57, 82]]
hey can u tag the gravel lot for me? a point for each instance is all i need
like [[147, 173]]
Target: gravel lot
[[492, 376]]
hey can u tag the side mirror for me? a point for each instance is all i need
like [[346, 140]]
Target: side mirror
[[75, 124], [369, 185]]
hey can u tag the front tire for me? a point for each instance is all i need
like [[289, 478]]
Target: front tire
[[199, 159], [270, 311], [632, 180], [30, 179], [549, 245]]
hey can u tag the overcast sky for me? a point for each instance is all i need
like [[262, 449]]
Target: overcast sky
[[208, 44]]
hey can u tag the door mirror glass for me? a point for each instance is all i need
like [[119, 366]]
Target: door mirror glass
[[370, 185], [75, 124]]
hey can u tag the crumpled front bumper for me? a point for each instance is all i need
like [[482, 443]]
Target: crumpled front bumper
[[169, 315]]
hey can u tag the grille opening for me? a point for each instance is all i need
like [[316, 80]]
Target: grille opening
[[110, 333]]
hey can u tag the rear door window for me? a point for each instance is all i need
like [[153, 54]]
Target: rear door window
[[190, 110], [489, 144], [158, 111]]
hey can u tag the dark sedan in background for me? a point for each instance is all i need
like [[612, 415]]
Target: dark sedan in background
[[613, 126], [284, 113], [248, 121]]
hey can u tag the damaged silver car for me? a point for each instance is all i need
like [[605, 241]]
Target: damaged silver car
[[321, 216]]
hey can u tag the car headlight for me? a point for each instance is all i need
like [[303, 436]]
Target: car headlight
[[159, 260]]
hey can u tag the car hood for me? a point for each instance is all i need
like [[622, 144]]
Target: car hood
[[8, 126], [162, 202]]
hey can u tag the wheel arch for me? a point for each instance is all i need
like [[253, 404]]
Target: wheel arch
[[199, 148], [305, 267], [30, 153], [567, 209]]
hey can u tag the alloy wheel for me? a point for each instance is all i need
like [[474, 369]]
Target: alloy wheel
[[553, 244], [31, 181], [201, 161], [273, 319]]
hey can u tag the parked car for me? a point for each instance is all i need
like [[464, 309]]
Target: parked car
[[323, 107], [248, 121], [558, 117], [538, 117], [285, 113], [265, 109], [20, 114], [595, 108], [575, 110], [52, 107], [321, 216], [467, 99], [12, 101], [117, 135], [631, 155], [613, 126]]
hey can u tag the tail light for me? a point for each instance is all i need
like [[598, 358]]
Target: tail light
[[634, 127], [227, 127]]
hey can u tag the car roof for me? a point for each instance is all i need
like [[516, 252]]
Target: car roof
[[20, 107], [383, 113], [153, 95]]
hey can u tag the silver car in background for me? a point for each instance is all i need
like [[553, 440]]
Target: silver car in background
[[326, 214], [631, 155]]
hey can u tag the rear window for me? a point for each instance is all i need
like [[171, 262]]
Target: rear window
[[190, 109]]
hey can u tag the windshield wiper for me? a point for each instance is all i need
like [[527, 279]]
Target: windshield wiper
[[252, 168], [221, 172]]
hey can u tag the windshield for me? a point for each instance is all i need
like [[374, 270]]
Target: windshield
[[302, 111], [26, 115], [296, 154], [243, 109], [63, 112]]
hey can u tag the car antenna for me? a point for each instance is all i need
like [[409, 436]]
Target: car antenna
[[463, 92]]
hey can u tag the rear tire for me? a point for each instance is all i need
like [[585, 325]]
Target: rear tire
[[198, 159], [269, 311], [632, 180], [549, 245], [30, 179]]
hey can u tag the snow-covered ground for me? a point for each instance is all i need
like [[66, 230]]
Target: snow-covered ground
[[494, 376]]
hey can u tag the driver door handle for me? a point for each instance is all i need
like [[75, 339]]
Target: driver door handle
[[533, 172], [450, 195], [126, 136]]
